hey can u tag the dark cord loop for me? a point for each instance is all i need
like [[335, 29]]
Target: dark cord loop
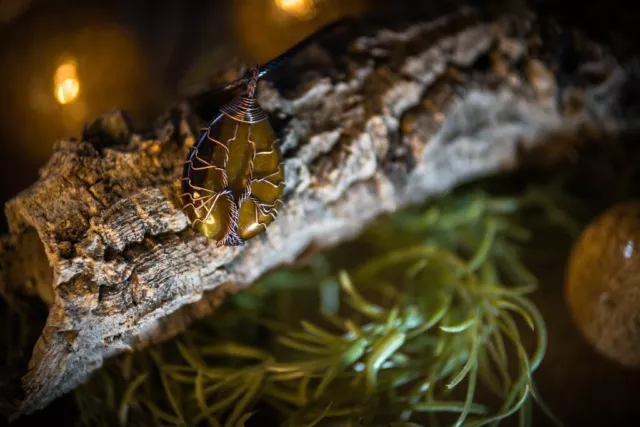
[[261, 71]]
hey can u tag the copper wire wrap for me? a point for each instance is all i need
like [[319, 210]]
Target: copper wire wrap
[[246, 108]]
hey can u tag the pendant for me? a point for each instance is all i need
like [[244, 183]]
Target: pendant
[[233, 179]]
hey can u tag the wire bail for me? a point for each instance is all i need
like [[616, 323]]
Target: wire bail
[[245, 108]]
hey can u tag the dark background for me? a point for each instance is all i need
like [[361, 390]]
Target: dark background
[[143, 55]]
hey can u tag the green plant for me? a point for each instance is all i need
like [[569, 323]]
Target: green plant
[[409, 322]]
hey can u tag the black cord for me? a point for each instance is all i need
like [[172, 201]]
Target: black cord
[[283, 57]]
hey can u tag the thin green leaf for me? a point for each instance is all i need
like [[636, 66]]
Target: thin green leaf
[[127, 397], [159, 413], [232, 349], [243, 420], [460, 327], [305, 348], [284, 395], [471, 389], [312, 329], [320, 417], [221, 405], [255, 383], [357, 301], [379, 354], [456, 407], [192, 359], [471, 361], [202, 400], [167, 386], [502, 414], [481, 254], [503, 303], [349, 357]]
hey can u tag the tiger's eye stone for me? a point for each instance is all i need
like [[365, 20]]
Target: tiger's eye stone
[[233, 180], [603, 284]]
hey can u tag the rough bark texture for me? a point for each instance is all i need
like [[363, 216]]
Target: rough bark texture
[[400, 115]]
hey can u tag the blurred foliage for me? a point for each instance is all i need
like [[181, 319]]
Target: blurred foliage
[[409, 323]]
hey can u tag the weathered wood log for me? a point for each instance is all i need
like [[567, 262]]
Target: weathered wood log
[[399, 116]]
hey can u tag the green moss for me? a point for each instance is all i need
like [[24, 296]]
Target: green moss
[[418, 320]]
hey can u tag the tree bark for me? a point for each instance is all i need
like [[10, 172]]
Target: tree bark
[[398, 116]]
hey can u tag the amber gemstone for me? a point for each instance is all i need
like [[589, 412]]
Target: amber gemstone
[[233, 179]]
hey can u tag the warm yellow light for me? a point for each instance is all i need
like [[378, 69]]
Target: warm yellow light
[[68, 91], [67, 85], [299, 8]]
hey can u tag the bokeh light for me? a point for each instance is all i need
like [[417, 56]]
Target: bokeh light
[[68, 91], [66, 83], [265, 29], [303, 9]]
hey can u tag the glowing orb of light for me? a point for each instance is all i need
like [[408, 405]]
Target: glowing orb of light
[[66, 83], [299, 8], [67, 91]]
